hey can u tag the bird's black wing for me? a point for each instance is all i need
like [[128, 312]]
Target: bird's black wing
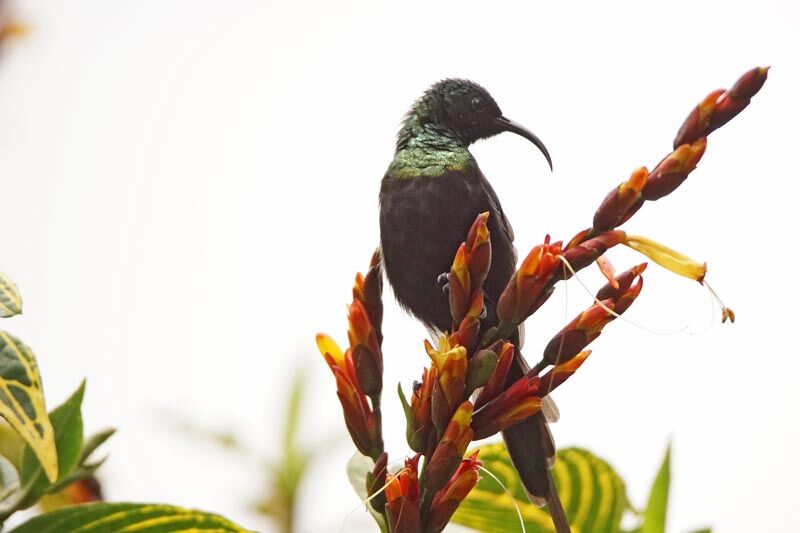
[[494, 201]]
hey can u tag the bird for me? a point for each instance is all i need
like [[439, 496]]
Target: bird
[[430, 194]]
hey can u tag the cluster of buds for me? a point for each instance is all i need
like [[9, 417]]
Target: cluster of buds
[[622, 202], [403, 495], [528, 288], [465, 393], [441, 417], [465, 282], [612, 300], [359, 369], [720, 106]]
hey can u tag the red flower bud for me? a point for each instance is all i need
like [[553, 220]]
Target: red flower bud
[[469, 270], [673, 169], [624, 293], [574, 337], [450, 497], [366, 349], [402, 499], [581, 253], [619, 205], [497, 381], [450, 449], [376, 481], [521, 296], [560, 373], [368, 290], [511, 407], [358, 414], [720, 106]]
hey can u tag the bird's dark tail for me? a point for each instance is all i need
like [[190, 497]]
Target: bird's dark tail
[[533, 452]]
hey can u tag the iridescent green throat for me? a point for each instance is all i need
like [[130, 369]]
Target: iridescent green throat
[[425, 149]]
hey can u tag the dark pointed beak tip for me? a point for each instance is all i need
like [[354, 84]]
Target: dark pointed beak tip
[[509, 125]]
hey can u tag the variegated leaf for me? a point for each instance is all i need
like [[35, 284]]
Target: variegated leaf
[[68, 429], [118, 517], [10, 300], [22, 401], [592, 493]]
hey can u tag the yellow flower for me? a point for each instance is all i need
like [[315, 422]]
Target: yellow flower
[[667, 257]]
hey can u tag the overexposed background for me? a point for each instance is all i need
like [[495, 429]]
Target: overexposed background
[[189, 187]]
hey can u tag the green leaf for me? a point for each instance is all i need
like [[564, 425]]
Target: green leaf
[[593, 495], [655, 515], [10, 300], [83, 469], [93, 442], [22, 401], [68, 428], [117, 517], [357, 468]]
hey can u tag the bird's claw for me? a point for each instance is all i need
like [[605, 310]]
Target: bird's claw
[[443, 282]]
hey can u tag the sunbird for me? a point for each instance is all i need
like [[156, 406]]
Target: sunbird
[[431, 193]]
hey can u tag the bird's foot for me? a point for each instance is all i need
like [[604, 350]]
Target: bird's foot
[[443, 282]]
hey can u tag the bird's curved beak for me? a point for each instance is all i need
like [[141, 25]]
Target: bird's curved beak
[[509, 125]]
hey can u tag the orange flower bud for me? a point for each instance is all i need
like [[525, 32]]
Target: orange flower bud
[[624, 293], [450, 449], [418, 415], [367, 356], [696, 123], [511, 407], [450, 497], [581, 253], [560, 373], [402, 499], [358, 415], [451, 364], [620, 203], [368, 290], [523, 294], [673, 169], [574, 337], [468, 272]]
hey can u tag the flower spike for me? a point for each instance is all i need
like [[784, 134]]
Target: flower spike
[[720, 106]]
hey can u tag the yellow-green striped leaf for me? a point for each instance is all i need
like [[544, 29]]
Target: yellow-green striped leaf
[[10, 300], [22, 401], [593, 495], [127, 517]]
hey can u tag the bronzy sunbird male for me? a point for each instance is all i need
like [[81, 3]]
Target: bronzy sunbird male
[[430, 195]]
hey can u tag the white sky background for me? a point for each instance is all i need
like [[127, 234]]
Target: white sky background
[[189, 188]]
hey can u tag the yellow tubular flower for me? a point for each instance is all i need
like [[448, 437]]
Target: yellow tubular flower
[[667, 257]]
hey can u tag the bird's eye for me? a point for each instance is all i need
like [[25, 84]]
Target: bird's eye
[[478, 104]]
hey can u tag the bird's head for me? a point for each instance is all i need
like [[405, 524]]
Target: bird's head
[[468, 110]]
